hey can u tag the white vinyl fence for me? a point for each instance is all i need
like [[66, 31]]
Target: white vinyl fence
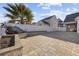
[[61, 28], [28, 27], [31, 27]]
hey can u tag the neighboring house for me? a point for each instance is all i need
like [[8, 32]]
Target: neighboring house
[[34, 23], [60, 23], [45, 21], [71, 22], [52, 22]]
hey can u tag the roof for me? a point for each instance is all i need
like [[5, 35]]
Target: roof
[[59, 20], [71, 17], [44, 20], [48, 17]]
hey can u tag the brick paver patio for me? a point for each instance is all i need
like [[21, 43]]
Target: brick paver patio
[[42, 45]]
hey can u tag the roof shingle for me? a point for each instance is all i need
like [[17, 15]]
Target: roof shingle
[[71, 17]]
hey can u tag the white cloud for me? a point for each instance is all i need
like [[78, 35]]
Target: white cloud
[[48, 5], [52, 12], [55, 4], [34, 13], [36, 17], [60, 14], [68, 9], [72, 9], [75, 9], [3, 19], [45, 8]]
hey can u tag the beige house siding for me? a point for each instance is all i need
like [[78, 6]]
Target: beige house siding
[[77, 26], [77, 20], [54, 23]]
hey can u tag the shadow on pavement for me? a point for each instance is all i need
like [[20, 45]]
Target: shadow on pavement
[[65, 36]]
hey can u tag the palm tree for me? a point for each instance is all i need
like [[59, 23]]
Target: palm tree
[[19, 11]]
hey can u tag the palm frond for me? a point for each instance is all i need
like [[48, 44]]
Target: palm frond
[[18, 11], [13, 7], [10, 16]]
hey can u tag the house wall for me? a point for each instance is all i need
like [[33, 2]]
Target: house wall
[[40, 23], [77, 20], [54, 24]]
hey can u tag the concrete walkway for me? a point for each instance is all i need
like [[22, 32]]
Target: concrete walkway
[[45, 44]]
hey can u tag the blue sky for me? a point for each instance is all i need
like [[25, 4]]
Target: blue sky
[[42, 10]]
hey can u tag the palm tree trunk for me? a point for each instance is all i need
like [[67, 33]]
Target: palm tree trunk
[[22, 22], [28, 22]]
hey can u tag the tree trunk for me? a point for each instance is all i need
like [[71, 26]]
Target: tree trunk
[[28, 22], [22, 21]]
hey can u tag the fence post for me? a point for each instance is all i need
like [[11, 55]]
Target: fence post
[[0, 42]]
